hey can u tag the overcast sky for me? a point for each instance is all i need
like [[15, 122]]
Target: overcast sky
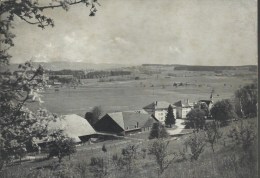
[[195, 32]]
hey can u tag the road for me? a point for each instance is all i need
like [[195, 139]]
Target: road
[[179, 125]]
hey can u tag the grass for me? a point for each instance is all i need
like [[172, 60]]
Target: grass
[[135, 94], [228, 161]]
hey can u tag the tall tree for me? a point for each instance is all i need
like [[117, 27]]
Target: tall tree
[[223, 111], [170, 119], [196, 119]]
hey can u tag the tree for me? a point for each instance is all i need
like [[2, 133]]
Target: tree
[[18, 125], [246, 100], [196, 143], [170, 119], [196, 119], [31, 12], [89, 118], [61, 145], [212, 134], [127, 158], [223, 111], [97, 112], [99, 166], [158, 131], [159, 150]]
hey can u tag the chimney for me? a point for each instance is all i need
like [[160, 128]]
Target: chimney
[[155, 103], [137, 124]]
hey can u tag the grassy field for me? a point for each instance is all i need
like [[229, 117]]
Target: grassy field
[[135, 94], [228, 161]]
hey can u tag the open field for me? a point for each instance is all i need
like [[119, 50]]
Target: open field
[[135, 94]]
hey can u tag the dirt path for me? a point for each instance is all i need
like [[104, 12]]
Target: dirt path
[[180, 127]]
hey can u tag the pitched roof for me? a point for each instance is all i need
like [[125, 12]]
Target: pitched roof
[[158, 105], [73, 126], [129, 120], [182, 104], [118, 118]]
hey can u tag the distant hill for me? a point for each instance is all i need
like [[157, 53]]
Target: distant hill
[[61, 65], [203, 68]]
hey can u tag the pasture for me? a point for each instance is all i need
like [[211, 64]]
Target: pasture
[[135, 94]]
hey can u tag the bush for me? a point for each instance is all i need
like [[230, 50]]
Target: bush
[[243, 134], [196, 143], [158, 131]]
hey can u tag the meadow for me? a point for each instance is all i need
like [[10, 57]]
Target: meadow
[[135, 94]]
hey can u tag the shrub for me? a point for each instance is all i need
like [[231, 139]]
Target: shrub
[[158, 131], [243, 134], [159, 150], [196, 143]]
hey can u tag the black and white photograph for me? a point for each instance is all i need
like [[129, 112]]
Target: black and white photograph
[[128, 89]]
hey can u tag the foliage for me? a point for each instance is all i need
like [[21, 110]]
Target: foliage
[[18, 125], [223, 111], [31, 12], [61, 145], [196, 119], [246, 100], [243, 134], [99, 166], [89, 118], [212, 134], [127, 159], [196, 143], [158, 131], [170, 119], [159, 150]]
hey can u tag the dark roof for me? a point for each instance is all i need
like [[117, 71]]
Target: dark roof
[[158, 105], [129, 120]]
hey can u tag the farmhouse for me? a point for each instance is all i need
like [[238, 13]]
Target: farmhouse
[[159, 110], [123, 123], [183, 108], [73, 126]]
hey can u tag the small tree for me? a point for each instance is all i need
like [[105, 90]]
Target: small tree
[[196, 143], [158, 131], [170, 119], [129, 154], [196, 119], [159, 150], [246, 100], [223, 111], [61, 146], [212, 134], [99, 167], [243, 134]]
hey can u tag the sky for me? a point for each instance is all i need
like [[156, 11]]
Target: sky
[[192, 32]]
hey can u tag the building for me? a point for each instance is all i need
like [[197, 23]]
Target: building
[[73, 126], [159, 110], [183, 108], [123, 123]]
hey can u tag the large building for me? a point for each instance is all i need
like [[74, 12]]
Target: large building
[[123, 123], [183, 108], [159, 110], [73, 126]]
